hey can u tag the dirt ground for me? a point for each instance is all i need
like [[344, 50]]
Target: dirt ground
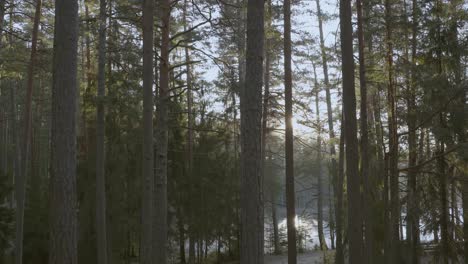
[[306, 258]]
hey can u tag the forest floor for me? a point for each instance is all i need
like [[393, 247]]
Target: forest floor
[[306, 258]]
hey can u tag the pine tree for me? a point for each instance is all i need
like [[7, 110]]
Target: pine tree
[[251, 200], [62, 209]]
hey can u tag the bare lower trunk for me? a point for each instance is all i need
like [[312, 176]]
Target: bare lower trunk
[[352, 157], [321, 236], [189, 144], [63, 200], [160, 232], [290, 193], [393, 256], [413, 216], [251, 195], [181, 241], [147, 213], [364, 146], [20, 183], [331, 132], [191, 258], [15, 137], [444, 215], [339, 259], [274, 218], [101, 227]]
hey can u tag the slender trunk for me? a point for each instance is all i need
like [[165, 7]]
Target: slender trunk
[[444, 236], [265, 115], [181, 241], [15, 136], [20, 183], [413, 216], [290, 193], [251, 195], [364, 146], [160, 232], [464, 185], [101, 227], [393, 256], [339, 259], [191, 258], [241, 45], [89, 78], [444, 216], [147, 214], [274, 217], [321, 236], [352, 158], [331, 132], [63, 200], [189, 146], [453, 206]]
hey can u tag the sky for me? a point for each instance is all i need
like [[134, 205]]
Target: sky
[[304, 19]]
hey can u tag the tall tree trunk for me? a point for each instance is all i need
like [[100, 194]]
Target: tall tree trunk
[[290, 193], [265, 115], [413, 215], [189, 144], [101, 227], [339, 258], [352, 158], [464, 183], [274, 217], [20, 183], [331, 131], [147, 214], [251, 195], [180, 224], [393, 256], [444, 214], [321, 236], [63, 200], [444, 236], [15, 137], [160, 235], [364, 146]]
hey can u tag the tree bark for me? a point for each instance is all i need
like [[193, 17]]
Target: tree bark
[[265, 115], [20, 183], [180, 224], [393, 256], [339, 258], [321, 236], [290, 193], [15, 136], [412, 146], [364, 146], [251, 195], [160, 235], [274, 217], [101, 226], [63, 200], [352, 157], [189, 144], [147, 214], [331, 131]]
